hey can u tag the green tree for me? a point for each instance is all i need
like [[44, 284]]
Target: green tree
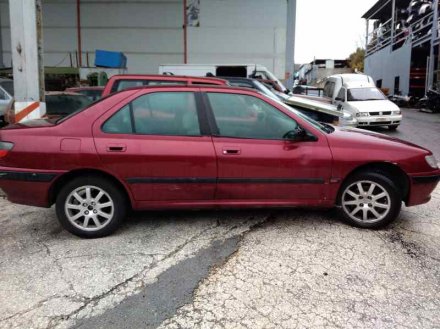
[[356, 60]]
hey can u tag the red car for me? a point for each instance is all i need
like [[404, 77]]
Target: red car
[[191, 147]]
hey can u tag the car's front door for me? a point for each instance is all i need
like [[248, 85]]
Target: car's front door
[[256, 161], [155, 143]]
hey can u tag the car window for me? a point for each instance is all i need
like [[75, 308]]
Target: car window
[[161, 113], [243, 116], [8, 86], [119, 123], [2, 95], [64, 104], [341, 95]]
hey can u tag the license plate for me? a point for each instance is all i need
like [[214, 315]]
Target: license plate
[[382, 119]]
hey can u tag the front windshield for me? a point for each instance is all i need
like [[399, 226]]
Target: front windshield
[[8, 86], [364, 94], [261, 87], [323, 127]]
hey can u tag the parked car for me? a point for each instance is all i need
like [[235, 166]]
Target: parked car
[[357, 94], [6, 98], [123, 81], [93, 93], [168, 147], [254, 84], [322, 112], [58, 104], [253, 71]]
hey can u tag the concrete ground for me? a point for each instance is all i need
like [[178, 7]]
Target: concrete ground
[[227, 269]]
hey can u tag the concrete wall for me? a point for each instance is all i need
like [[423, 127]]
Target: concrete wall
[[150, 32], [387, 65]]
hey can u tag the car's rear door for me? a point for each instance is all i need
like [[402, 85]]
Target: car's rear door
[[156, 142], [255, 162]]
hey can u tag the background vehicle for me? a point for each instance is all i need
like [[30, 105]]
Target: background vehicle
[[254, 84], [254, 71], [124, 81], [358, 95], [6, 98], [93, 93], [208, 146]]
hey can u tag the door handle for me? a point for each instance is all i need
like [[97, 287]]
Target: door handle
[[229, 151], [116, 148]]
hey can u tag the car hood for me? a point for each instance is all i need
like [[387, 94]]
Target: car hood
[[374, 106], [370, 141]]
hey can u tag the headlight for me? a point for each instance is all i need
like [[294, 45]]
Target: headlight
[[432, 161], [347, 116], [362, 114], [398, 112]]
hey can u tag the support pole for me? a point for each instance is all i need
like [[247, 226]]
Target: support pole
[[185, 33], [434, 33], [1, 44], [366, 35], [393, 23], [290, 43], [27, 58], [78, 31]]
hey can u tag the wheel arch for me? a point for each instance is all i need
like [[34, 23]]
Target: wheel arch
[[390, 170], [63, 179]]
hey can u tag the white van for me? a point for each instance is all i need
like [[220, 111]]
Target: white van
[[358, 95], [255, 71]]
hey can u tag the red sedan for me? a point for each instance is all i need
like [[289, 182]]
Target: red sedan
[[168, 147]]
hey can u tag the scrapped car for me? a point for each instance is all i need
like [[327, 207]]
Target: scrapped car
[[124, 81], [94, 93], [254, 84], [193, 147]]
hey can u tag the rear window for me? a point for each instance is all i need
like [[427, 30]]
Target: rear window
[[65, 104]]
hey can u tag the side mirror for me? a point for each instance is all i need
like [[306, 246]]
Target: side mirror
[[296, 135]]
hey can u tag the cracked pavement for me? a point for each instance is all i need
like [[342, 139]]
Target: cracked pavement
[[283, 269]]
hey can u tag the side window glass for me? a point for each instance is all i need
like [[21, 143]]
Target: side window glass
[[119, 123], [243, 116], [341, 95], [2, 95], [166, 113]]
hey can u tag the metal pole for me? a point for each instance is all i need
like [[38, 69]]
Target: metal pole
[[27, 58], [1, 45], [366, 35], [290, 43], [78, 30], [185, 33], [393, 23], [434, 33]]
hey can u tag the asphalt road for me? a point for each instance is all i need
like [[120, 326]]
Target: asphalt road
[[227, 269]]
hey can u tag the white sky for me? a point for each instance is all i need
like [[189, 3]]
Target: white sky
[[329, 29]]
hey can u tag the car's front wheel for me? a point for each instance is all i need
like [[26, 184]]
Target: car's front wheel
[[370, 200], [90, 207]]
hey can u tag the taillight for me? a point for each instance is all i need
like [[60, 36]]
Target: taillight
[[5, 147]]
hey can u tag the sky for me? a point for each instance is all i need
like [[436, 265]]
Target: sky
[[329, 29]]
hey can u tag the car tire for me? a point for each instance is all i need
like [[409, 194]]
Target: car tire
[[369, 200], [90, 207], [393, 128]]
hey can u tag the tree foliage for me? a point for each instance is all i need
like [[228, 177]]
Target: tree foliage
[[356, 60]]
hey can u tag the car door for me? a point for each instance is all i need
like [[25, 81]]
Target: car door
[[255, 160], [156, 144]]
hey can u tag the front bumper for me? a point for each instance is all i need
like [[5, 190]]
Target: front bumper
[[28, 187], [421, 187], [379, 120]]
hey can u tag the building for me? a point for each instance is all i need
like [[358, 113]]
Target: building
[[402, 45], [150, 32], [315, 72]]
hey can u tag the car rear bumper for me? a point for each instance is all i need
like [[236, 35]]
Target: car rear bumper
[[422, 187], [28, 187]]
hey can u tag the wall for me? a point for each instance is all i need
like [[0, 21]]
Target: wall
[[386, 65], [150, 32]]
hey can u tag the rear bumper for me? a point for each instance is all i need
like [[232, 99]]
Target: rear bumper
[[422, 187], [28, 187]]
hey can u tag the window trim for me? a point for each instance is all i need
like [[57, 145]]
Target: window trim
[[203, 126], [215, 132]]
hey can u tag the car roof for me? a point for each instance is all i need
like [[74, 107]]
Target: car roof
[[225, 88]]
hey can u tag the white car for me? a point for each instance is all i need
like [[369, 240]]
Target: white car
[[368, 105], [6, 98]]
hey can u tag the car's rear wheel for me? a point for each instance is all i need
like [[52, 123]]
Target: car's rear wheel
[[370, 200], [90, 207]]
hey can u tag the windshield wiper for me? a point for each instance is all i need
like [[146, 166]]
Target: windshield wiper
[[327, 128]]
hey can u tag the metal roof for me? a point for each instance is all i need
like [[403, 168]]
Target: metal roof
[[382, 9]]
